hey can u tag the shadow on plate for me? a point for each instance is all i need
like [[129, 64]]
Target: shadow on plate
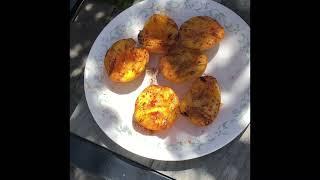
[[123, 88], [211, 53], [219, 157]]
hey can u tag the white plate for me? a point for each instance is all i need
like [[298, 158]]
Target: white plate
[[112, 105]]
